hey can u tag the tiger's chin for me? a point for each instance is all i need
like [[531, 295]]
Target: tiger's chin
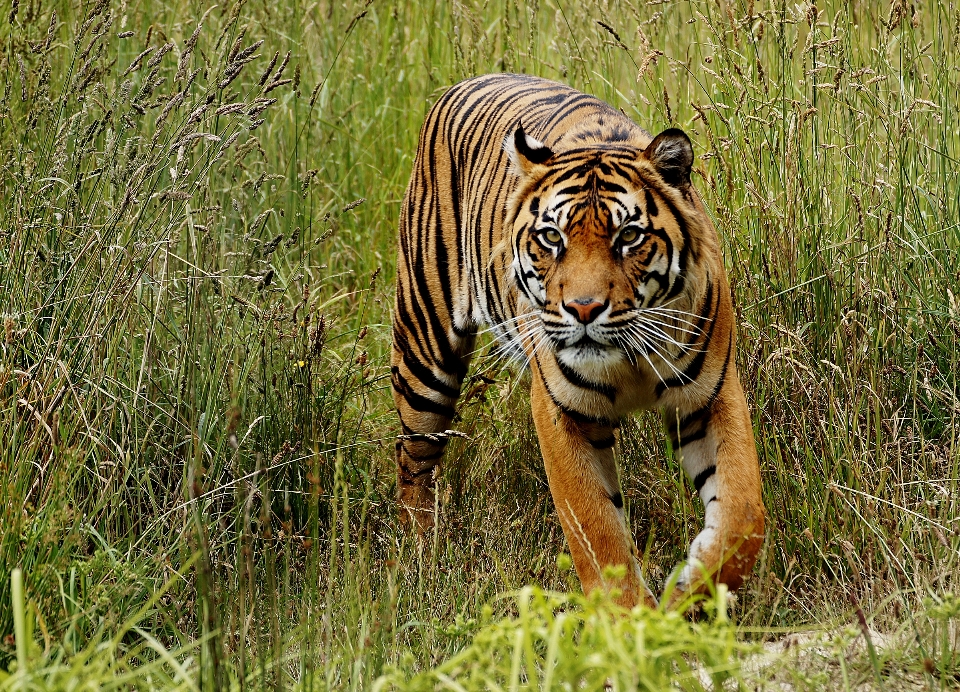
[[591, 358]]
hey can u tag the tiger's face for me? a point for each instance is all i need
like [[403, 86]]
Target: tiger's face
[[601, 244]]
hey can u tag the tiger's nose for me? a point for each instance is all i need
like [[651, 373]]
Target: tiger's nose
[[585, 310]]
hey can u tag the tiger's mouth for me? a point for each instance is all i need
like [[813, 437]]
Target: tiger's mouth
[[589, 357], [586, 344], [586, 351], [577, 338]]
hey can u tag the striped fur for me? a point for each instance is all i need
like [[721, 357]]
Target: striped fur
[[548, 217]]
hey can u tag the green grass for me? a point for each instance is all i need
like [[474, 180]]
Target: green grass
[[196, 429]]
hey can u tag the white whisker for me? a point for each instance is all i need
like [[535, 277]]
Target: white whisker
[[671, 311], [652, 347], [670, 315], [509, 320], [644, 316], [642, 347], [654, 331], [505, 336], [657, 329]]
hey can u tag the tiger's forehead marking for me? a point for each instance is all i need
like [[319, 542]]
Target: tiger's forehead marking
[[622, 208]]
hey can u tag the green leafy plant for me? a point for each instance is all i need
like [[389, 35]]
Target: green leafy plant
[[561, 641]]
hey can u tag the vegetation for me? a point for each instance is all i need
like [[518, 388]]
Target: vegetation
[[196, 429]]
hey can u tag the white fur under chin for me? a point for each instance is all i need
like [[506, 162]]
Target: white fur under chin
[[594, 363]]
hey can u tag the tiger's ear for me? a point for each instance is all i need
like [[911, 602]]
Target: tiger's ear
[[526, 152], [671, 154]]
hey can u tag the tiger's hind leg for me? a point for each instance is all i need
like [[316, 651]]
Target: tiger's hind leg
[[717, 450], [426, 371]]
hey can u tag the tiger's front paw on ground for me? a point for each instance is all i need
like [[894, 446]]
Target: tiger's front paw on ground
[[714, 559], [683, 585]]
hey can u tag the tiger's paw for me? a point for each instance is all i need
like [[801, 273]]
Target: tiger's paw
[[685, 586], [714, 559]]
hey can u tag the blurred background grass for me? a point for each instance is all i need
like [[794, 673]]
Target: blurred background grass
[[196, 268]]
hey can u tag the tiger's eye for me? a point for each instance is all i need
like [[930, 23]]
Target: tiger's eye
[[628, 235], [552, 236]]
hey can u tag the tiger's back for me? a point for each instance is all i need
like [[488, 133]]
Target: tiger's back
[[544, 214]]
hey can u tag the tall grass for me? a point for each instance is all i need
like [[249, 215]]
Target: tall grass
[[195, 285]]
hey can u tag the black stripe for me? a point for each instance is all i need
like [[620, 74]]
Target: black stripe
[[426, 335], [415, 474], [427, 457], [576, 378], [462, 333], [687, 438], [570, 413], [570, 105], [617, 500], [622, 171], [651, 204], [576, 416], [684, 232], [426, 377], [605, 443], [663, 280], [607, 186], [690, 428], [701, 417], [417, 401], [723, 372], [703, 477], [692, 371], [571, 190], [697, 415]]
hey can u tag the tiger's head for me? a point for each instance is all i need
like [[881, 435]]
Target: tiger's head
[[603, 241]]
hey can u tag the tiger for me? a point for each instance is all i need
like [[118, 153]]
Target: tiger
[[547, 217]]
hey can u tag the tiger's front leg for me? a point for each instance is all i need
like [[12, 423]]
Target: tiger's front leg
[[582, 473], [716, 448]]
